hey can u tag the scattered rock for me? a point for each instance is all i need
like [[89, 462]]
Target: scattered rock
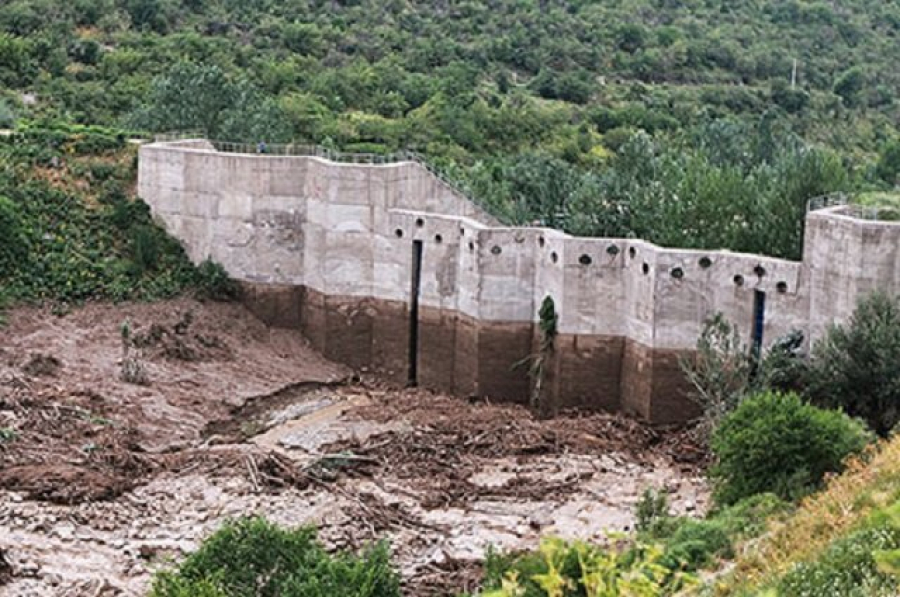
[[6, 571], [40, 365]]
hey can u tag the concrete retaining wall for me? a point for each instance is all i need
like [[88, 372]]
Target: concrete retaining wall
[[328, 247]]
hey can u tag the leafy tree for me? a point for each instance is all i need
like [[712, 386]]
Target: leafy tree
[[888, 168], [850, 85], [854, 367], [189, 96], [720, 371], [303, 38], [195, 96], [792, 100]]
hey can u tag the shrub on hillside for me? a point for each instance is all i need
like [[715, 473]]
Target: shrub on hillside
[[848, 568], [214, 283], [776, 443], [690, 543], [12, 239], [255, 558], [696, 543], [854, 367]]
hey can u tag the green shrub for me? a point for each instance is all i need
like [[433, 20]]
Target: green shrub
[[577, 569], [525, 567], [13, 249], [5, 301], [145, 249], [652, 516], [214, 283], [848, 568], [252, 557], [691, 544], [784, 367], [854, 367], [748, 517], [696, 543], [7, 114], [776, 443]]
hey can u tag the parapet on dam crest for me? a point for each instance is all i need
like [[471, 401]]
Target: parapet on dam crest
[[387, 268]]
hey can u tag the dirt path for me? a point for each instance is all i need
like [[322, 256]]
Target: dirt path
[[105, 481]]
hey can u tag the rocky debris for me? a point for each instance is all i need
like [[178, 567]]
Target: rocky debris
[[102, 483], [177, 341], [445, 445], [6, 570], [42, 365]]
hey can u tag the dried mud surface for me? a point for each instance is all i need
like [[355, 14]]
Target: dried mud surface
[[102, 482]]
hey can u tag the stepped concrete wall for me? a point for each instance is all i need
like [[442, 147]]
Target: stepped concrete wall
[[328, 248]]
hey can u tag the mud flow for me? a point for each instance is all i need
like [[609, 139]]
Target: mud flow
[[117, 455]]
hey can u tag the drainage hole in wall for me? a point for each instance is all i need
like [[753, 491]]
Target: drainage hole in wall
[[645, 268], [759, 271], [585, 259], [471, 246], [438, 238], [781, 287], [677, 273], [554, 257], [398, 233], [632, 252], [462, 231], [541, 241], [739, 280], [420, 222], [496, 250], [705, 262], [612, 250]]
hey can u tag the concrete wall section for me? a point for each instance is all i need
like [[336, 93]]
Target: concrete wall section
[[329, 248]]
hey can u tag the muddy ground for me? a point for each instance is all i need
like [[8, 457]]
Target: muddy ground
[[104, 481]]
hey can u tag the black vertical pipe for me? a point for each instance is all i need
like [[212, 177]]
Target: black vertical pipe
[[414, 292]]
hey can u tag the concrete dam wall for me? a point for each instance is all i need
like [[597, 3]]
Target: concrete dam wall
[[386, 268]]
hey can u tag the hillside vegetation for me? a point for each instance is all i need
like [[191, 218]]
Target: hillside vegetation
[[71, 230], [681, 121]]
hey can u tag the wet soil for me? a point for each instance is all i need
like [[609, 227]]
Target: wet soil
[[102, 482]]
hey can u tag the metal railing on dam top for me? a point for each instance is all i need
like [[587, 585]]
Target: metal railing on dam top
[[333, 155], [851, 209]]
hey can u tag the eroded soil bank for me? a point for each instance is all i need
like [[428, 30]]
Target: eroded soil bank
[[103, 481]]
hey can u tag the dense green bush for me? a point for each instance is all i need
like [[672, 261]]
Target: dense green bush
[[696, 543], [776, 443], [855, 366], [214, 283], [847, 568], [252, 557], [13, 247]]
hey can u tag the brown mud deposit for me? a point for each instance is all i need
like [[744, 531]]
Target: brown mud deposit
[[102, 481]]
